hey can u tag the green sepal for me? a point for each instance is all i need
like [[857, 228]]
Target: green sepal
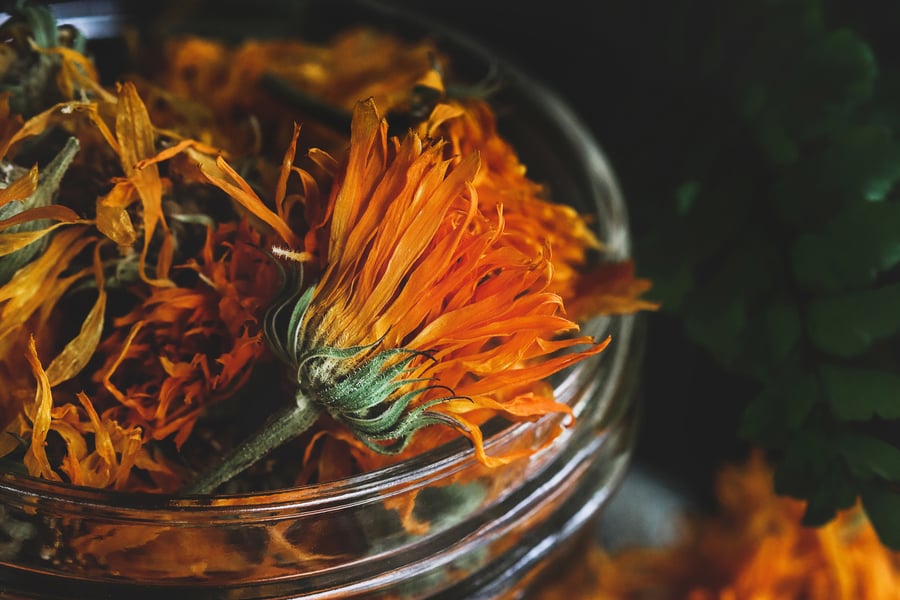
[[364, 399], [294, 296], [40, 21], [366, 386], [374, 423], [416, 419]]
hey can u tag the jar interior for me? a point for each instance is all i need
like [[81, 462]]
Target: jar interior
[[437, 525]]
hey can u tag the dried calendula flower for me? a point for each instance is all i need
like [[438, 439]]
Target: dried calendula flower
[[423, 311]]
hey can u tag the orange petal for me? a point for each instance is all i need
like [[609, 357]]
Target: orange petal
[[112, 217], [123, 353], [39, 413], [78, 352], [137, 141], [179, 148], [223, 176], [610, 289], [13, 241], [55, 212], [62, 111], [76, 70], [25, 292], [286, 165], [102, 441], [21, 188]]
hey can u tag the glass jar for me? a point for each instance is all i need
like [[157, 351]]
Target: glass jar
[[437, 526]]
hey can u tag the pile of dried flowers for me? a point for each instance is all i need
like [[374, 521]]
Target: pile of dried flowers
[[755, 546], [166, 253]]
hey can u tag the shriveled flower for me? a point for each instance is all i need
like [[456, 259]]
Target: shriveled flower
[[531, 220], [208, 81], [423, 311], [203, 339]]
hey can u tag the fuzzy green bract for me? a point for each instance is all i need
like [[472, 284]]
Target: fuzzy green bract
[[367, 388]]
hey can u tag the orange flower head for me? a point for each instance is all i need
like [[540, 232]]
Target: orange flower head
[[424, 311]]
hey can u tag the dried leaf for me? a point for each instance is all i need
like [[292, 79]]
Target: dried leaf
[[60, 112], [102, 441], [9, 123], [39, 414], [25, 292], [113, 220], [137, 141], [20, 189], [54, 212], [78, 352], [76, 73], [11, 242], [286, 166], [33, 212]]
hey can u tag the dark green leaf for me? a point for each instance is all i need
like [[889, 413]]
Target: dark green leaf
[[848, 324], [833, 492], [840, 67], [862, 161], [761, 420], [778, 147], [686, 195], [810, 470], [803, 197], [882, 506], [869, 457], [852, 250], [718, 329], [780, 409], [859, 394], [783, 329], [718, 307], [804, 464]]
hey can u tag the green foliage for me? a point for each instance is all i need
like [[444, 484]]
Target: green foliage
[[861, 394], [848, 324], [779, 245], [851, 250]]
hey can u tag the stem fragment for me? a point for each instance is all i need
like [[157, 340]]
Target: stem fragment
[[279, 428]]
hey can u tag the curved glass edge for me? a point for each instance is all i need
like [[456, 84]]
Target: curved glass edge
[[487, 553]]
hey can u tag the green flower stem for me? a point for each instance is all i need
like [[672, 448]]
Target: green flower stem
[[281, 427]]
